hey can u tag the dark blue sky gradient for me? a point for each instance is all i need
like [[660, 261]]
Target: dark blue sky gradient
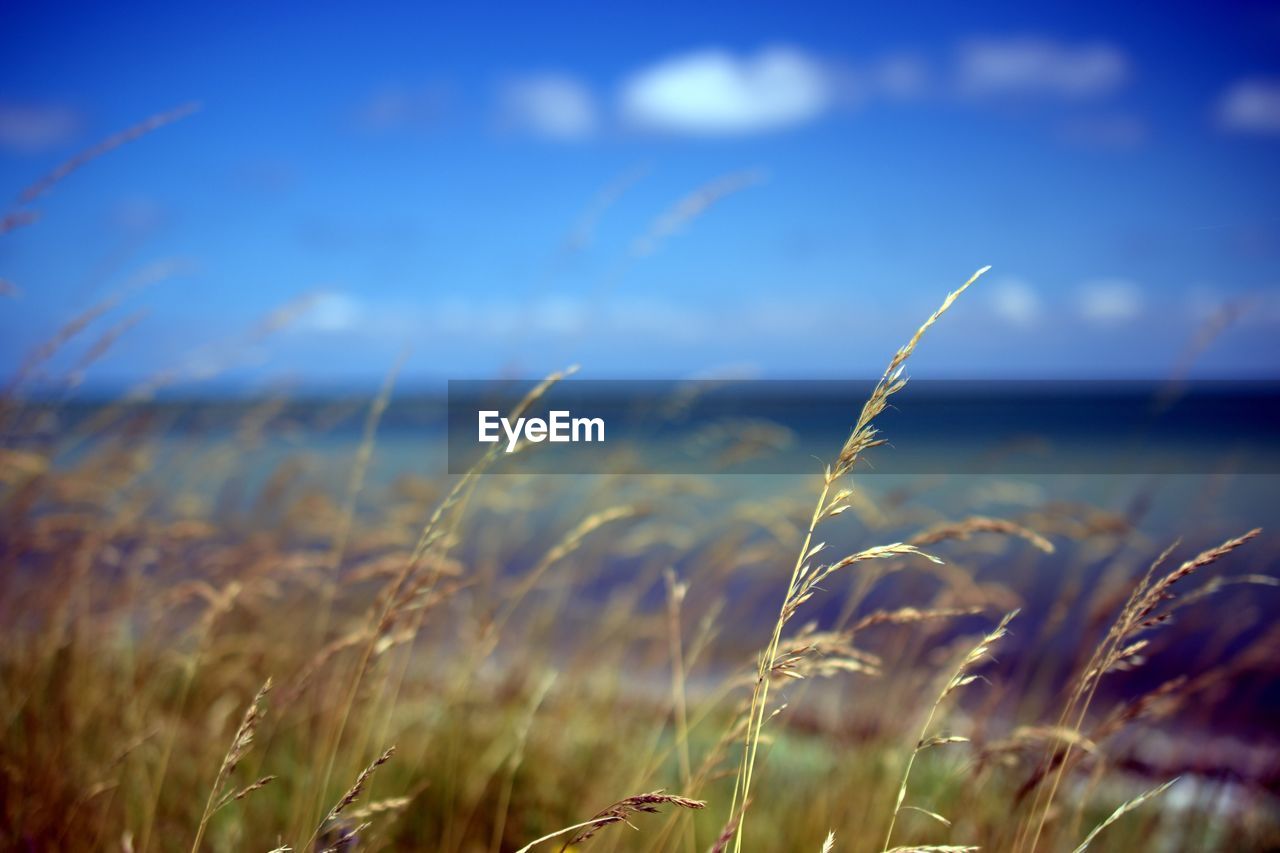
[[370, 162]]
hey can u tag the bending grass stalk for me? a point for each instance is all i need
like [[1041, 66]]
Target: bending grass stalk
[[1082, 691], [566, 546], [1137, 616], [911, 615], [107, 145], [1122, 811], [389, 688], [430, 535], [862, 438], [676, 591], [559, 832], [353, 793], [240, 745], [355, 485], [760, 694], [656, 758], [516, 759], [959, 679], [403, 599], [616, 813], [224, 603]]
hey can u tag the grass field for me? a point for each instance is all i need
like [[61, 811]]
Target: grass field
[[197, 656]]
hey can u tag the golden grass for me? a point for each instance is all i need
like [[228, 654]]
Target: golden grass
[[805, 578], [515, 701], [219, 796]]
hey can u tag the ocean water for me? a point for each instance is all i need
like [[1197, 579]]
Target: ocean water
[[1205, 454], [1199, 464]]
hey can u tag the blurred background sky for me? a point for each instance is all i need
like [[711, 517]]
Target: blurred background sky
[[649, 190]]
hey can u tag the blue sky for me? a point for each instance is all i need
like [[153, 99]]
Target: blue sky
[[645, 190]]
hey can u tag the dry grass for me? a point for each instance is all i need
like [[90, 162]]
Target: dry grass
[[517, 694], [805, 578], [219, 796], [537, 646]]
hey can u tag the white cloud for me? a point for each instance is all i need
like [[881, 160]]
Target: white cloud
[[453, 318], [1015, 302], [553, 106], [558, 315], [32, 128], [657, 319], [332, 312], [1109, 301], [712, 92], [1251, 106], [1039, 67]]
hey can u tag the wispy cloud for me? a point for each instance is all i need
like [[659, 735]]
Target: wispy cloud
[[1015, 302], [1251, 106], [1111, 132], [1109, 301], [332, 312], [551, 106], [1039, 67], [713, 92], [396, 107], [29, 128], [896, 77]]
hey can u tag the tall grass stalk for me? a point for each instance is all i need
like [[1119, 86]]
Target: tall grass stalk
[[1117, 649], [863, 437]]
